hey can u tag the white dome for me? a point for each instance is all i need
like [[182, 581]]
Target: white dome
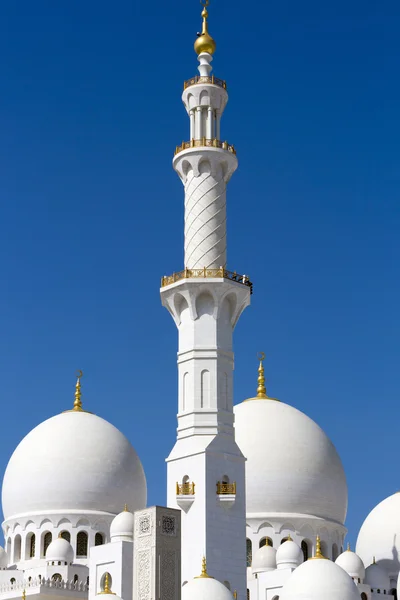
[[205, 588], [73, 462], [377, 578], [352, 564], [319, 579], [3, 558], [264, 559], [60, 550], [292, 466], [289, 555], [380, 536], [122, 526]]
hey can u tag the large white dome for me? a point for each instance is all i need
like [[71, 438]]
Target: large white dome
[[379, 536], [292, 467], [73, 462]]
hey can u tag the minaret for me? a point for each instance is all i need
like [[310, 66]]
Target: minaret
[[206, 470]]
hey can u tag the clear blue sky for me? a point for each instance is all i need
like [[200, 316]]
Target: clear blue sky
[[92, 215]]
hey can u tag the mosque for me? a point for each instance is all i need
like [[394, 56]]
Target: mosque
[[249, 516]]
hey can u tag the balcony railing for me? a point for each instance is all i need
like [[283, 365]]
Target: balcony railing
[[206, 273], [185, 489], [204, 79], [205, 142], [225, 489]]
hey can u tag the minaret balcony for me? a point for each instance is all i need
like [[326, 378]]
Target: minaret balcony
[[205, 273], [205, 143], [226, 493], [204, 79], [185, 495]]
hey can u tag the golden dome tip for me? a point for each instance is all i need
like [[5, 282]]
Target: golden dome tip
[[204, 42]]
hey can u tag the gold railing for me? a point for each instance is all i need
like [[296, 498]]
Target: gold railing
[[202, 273], [224, 489], [205, 142], [185, 489], [204, 79]]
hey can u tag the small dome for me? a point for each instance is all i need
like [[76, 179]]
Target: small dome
[[60, 550], [352, 564], [289, 555], [205, 588], [380, 536], [319, 579], [377, 578], [3, 558], [122, 526], [264, 559]]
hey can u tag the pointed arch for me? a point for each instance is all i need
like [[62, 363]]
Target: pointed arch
[[82, 543]]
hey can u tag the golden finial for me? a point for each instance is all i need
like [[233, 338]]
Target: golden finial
[[318, 551], [203, 574], [348, 547], [107, 585], [261, 390], [60, 535], [289, 538], [24, 595], [125, 508], [78, 402], [204, 42]]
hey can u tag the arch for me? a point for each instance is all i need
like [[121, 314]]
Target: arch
[[205, 389], [17, 548], [393, 591], [56, 577], [65, 535], [266, 541], [29, 579], [204, 98], [30, 545], [81, 543], [184, 583], [249, 552], [44, 522], [83, 523], [305, 548], [205, 304], [76, 578], [288, 527], [335, 552], [265, 524], [46, 541], [275, 598], [103, 581], [225, 479], [99, 539], [284, 539], [185, 390], [185, 479], [12, 580], [248, 594]]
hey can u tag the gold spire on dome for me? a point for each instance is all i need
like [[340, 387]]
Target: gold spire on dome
[[261, 389], [289, 538], [126, 508], [203, 574], [107, 585], [204, 42], [348, 547], [78, 401], [318, 551], [24, 595]]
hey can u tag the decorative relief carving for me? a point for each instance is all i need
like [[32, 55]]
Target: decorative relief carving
[[168, 525], [168, 575], [145, 525], [144, 575]]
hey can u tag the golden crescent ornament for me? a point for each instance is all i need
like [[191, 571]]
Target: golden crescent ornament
[[79, 374], [205, 3], [261, 356]]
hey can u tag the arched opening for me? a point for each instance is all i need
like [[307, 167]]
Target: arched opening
[[47, 537], [76, 578], [30, 545], [248, 594], [364, 596], [82, 543], [225, 480], [249, 552], [283, 540], [305, 550], [275, 598], [29, 579], [184, 583], [103, 581], [98, 539], [393, 591], [56, 577], [87, 580], [66, 536], [335, 552], [17, 548], [12, 580], [227, 585], [265, 541]]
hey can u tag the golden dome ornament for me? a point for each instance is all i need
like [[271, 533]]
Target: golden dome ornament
[[204, 42]]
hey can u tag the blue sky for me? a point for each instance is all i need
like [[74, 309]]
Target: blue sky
[[92, 215]]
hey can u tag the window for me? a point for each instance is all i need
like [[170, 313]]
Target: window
[[265, 541], [81, 543], [98, 539], [249, 553], [17, 548], [12, 580], [393, 592], [46, 541], [56, 577], [335, 552], [76, 578], [66, 536], [364, 596], [248, 594], [32, 546], [304, 548]]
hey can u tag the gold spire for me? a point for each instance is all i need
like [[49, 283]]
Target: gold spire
[[318, 551], [289, 538], [78, 402], [204, 42], [203, 574], [24, 595], [261, 390], [348, 547], [125, 508], [107, 585]]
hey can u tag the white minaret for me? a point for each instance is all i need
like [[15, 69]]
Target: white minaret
[[206, 470]]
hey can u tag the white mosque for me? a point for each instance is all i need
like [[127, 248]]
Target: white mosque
[[249, 515]]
